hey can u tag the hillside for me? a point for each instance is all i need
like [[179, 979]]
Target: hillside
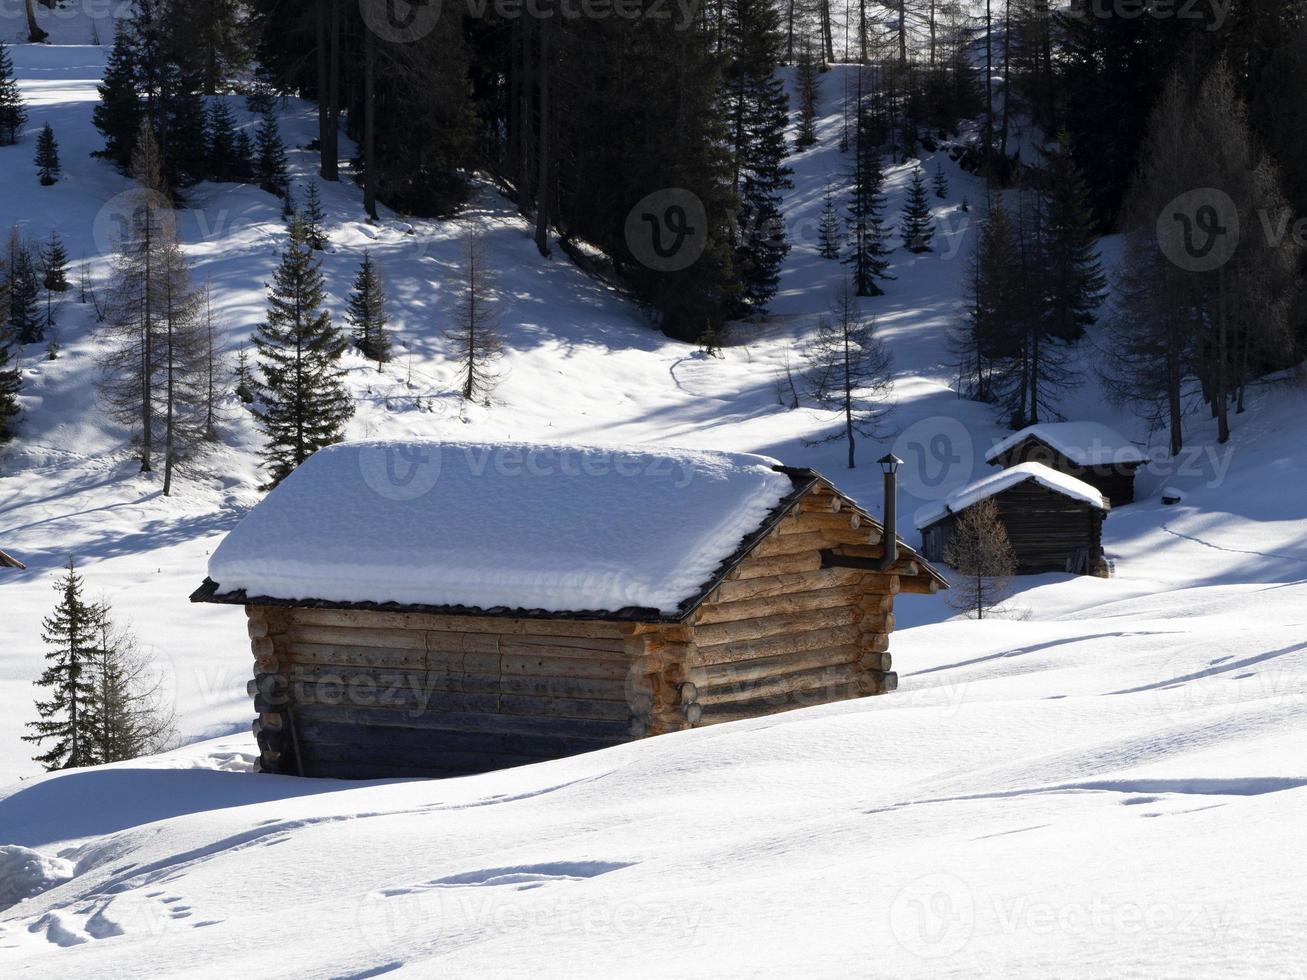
[[1111, 774]]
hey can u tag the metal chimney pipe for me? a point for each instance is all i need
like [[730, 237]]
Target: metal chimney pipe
[[889, 465]]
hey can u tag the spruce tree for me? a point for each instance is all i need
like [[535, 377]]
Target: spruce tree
[[940, 180], [244, 382], [54, 264], [366, 313], [311, 218], [758, 112], [807, 81], [11, 378], [220, 137], [13, 113], [1072, 280], [475, 344], [24, 317], [47, 156], [118, 114], [67, 718], [270, 157], [304, 403], [829, 237], [869, 254], [915, 225], [244, 172]]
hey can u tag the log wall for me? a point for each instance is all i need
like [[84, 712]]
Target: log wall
[[346, 693]]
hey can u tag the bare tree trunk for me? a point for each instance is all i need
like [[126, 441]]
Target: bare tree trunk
[[1007, 74], [320, 42], [332, 159], [542, 179], [789, 32], [989, 92], [828, 39], [147, 346], [34, 33], [1220, 393], [369, 125]]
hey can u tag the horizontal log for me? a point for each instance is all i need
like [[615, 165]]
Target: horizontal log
[[818, 685], [256, 628], [875, 642], [488, 683], [778, 565], [788, 624], [402, 700], [820, 503], [451, 721], [919, 585], [724, 612], [746, 671], [802, 522], [784, 584], [790, 544], [505, 625], [268, 664], [261, 646], [378, 639], [693, 713], [683, 673], [349, 655], [779, 645], [874, 660]]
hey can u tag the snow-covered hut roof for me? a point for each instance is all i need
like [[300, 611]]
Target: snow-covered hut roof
[[501, 526], [1084, 443], [972, 493]]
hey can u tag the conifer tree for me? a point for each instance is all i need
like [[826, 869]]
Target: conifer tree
[[47, 156], [940, 180], [366, 313], [67, 718], [24, 316], [757, 112], [807, 80], [304, 403], [13, 113], [220, 137], [11, 378], [118, 114], [984, 339], [475, 343], [244, 382], [869, 254], [270, 157], [131, 718], [311, 218], [54, 264], [849, 371], [915, 225], [244, 172], [829, 237], [1072, 280]]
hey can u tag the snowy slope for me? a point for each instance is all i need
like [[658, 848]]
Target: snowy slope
[[1108, 781]]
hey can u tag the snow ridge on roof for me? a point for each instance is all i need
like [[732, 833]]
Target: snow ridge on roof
[[1084, 443], [1000, 481], [493, 525]]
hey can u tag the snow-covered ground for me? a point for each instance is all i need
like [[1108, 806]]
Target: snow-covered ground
[[1110, 779]]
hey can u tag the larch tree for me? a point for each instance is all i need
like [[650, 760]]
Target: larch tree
[[868, 256], [130, 714], [47, 157], [849, 371], [66, 719], [808, 81], [475, 344], [303, 403], [365, 312], [982, 554]]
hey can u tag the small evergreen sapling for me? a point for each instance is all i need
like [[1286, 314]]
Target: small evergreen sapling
[[366, 313], [24, 318], [474, 341], [270, 157], [67, 718], [47, 157], [13, 113], [808, 84], [312, 217], [54, 264], [940, 180], [829, 237], [916, 226]]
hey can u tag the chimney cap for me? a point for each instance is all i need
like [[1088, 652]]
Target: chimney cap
[[889, 463]]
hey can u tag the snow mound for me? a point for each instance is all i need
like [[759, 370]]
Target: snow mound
[[1084, 443], [1010, 477], [25, 873], [486, 525]]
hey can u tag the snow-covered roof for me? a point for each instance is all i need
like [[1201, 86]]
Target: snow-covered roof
[[500, 525], [1084, 443], [1002, 480]]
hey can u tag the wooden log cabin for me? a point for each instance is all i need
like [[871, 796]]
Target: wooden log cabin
[[1054, 522], [1089, 451], [495, 620]]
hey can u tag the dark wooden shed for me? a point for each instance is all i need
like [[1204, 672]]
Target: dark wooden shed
[[796, 610], [1089, 451], [1054, 521]]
